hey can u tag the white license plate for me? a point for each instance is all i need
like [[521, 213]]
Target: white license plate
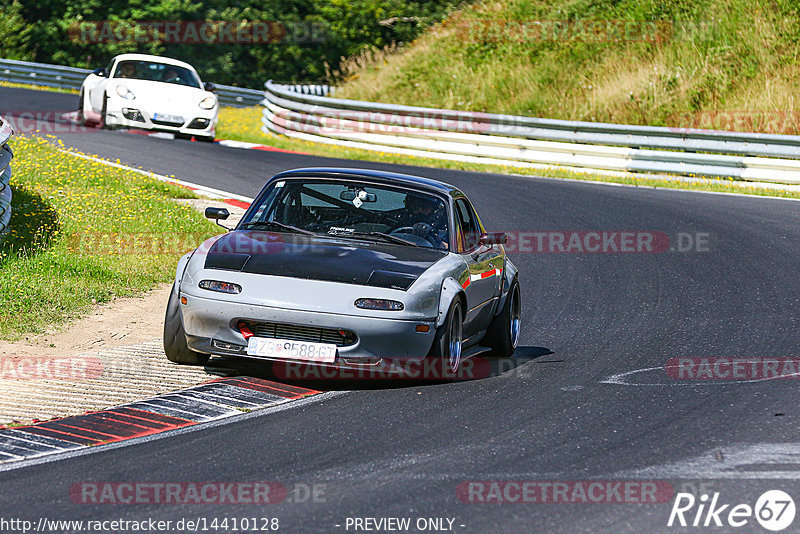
[[168, 118], [291, 350]]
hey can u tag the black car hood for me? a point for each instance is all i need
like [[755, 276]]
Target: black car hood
[[348, 261]]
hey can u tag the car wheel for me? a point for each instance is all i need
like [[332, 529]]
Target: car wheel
[[175, 337], [82, 118], [504, 331], [448, 340], [204, 138], [104, 113]]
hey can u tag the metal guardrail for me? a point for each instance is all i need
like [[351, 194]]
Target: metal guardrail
[[5, 176], [527, 141], [46, 75], [305, 89], [237, 96]]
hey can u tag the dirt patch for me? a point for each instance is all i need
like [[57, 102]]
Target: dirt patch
[[123, 321]]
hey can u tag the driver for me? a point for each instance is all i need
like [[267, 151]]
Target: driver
[[171, 76], [426, 215], [127, 70]]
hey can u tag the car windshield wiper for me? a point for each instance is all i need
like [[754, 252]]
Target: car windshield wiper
[[276, 224], [387, 237]]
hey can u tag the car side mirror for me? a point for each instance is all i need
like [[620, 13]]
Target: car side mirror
[[493, 238], [100, 72], [218, 214], [210, 87]]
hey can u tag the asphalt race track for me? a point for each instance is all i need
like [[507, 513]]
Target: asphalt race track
[[571, 407]]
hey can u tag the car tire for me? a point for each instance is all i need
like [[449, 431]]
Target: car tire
[[82, 118], [503, 333], [104, 114], [175, 337], [204, 138], [449, 337]]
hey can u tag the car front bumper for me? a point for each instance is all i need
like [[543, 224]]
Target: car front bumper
[[211, 328], [120, 114]]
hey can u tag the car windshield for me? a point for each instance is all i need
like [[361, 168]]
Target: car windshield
[[354, 209], [156, 72]]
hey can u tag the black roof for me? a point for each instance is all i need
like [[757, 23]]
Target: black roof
[[391, 178]]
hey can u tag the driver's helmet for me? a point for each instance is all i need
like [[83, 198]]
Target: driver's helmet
[[420, 203]]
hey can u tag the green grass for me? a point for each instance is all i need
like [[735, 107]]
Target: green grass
[[244, 124], [81, 233], [726, 64]]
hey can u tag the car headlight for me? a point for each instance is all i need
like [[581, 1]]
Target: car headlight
[[379, 304], [125, 93], [208, 102], [221, 287]]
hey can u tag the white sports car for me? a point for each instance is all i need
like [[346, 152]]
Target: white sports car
[[150, 92]]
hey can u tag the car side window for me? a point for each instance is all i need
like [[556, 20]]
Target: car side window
[[468, 225], [479, 229]]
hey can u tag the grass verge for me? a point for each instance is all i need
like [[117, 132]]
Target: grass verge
[[244, 124], [721, 64], [82, 233]]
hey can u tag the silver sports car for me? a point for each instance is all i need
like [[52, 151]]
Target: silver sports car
[[347, 268]]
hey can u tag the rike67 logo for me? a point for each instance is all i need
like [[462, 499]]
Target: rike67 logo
[[774, 510]]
